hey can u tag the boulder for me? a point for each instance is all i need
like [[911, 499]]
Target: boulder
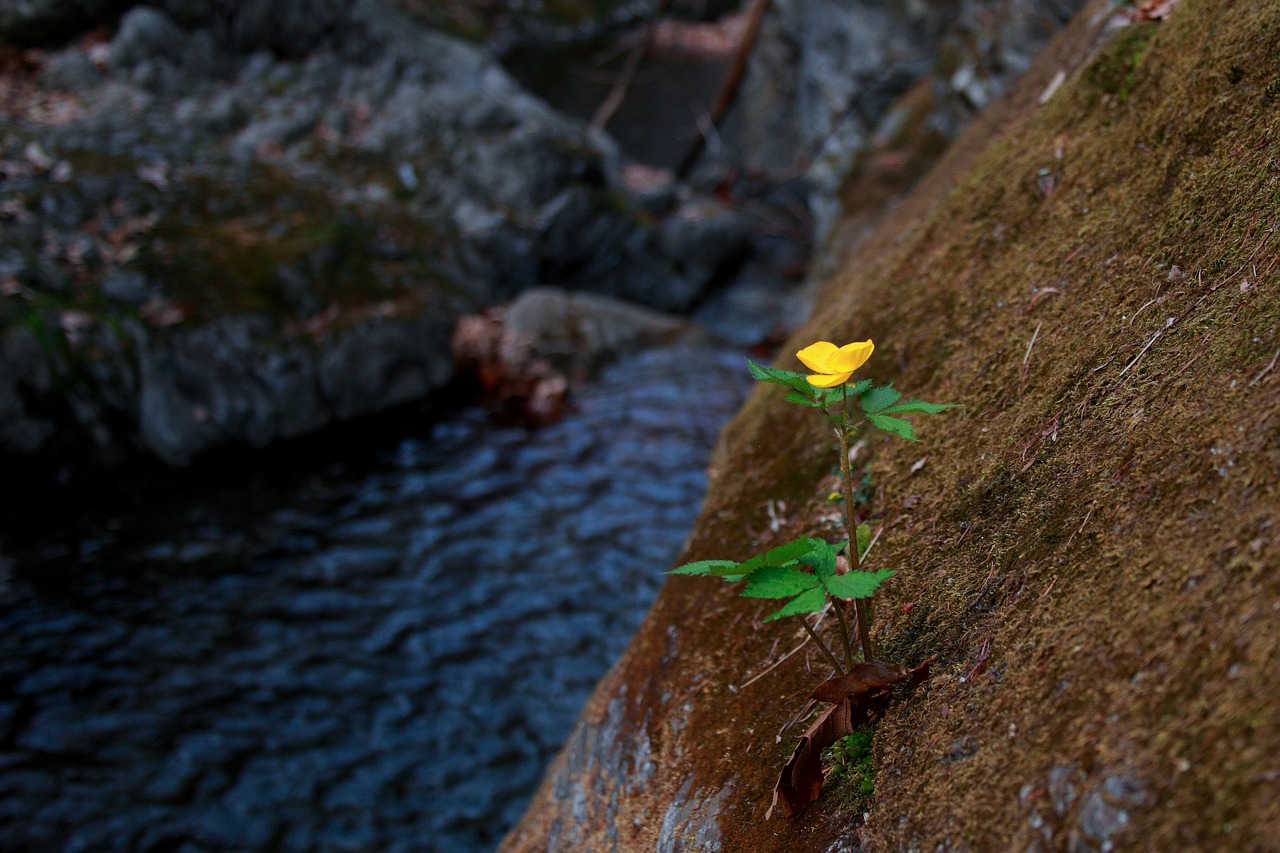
[[236, 195], [1088, 547], [825, 76], [526, 355]]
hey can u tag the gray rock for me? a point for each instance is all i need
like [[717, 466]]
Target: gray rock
[[146, 35], [70, 69], [586, 328], [702, 238], [236, 382], [825, 73], [204, 107], [385, 363]]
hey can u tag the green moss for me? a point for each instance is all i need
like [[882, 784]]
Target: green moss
[[1079, 585], [277, 246], [1114, 69], [851, 763]]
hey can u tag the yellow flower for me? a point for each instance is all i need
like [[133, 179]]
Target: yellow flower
[[833, 365]]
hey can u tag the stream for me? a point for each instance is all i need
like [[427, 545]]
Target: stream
[[378, 648], [379, 655]]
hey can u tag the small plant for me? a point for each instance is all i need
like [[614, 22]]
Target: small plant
[[851, 763], [814, 575], [807, 570]]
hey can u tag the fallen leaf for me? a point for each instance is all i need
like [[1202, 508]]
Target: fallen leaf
[[857, 695], [1153, 10]]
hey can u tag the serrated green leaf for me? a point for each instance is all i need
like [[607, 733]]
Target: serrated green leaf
[[780, 556], [907, 406], [789, 378], [702, 568], [731, 578], [879, 398], [778, 582], [897, 426], [830, 396], [810, 601], [864, 540], [822, 559], [856, 584], [801, 400]]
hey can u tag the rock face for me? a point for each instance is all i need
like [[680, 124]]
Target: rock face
[[211, 216], [820, 93], [1088, 546]]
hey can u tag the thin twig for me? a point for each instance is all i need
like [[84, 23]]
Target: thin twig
[[1154, 338], [1033, 343], [799, 715], [618, 93], [1270, 367], [729, 87], [782, 659], [1087, 516], [874, 539]]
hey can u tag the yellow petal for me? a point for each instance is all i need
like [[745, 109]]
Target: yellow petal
[[817, 357], [851, 356], [829, 380]]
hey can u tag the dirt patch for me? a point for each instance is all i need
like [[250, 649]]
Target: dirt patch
[[1089, 546]]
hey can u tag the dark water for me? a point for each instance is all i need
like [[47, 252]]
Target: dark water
[[383, 660]]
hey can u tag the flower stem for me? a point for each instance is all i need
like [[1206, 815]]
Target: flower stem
[[855, 553], [823, 646], [844, 633]]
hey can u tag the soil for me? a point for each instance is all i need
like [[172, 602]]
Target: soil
[[1089, 546]]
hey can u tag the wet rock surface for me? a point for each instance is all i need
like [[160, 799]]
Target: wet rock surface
[[823, 92], [383, 661], [317, 172]]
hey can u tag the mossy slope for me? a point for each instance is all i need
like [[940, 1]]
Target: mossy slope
[[1090, 545]]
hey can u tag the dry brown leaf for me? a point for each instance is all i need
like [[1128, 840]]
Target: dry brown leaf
[[857, 695]]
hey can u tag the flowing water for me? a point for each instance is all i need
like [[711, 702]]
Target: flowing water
[[384, 659], [377, 652]]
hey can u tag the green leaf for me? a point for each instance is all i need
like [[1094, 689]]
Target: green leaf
[[778, 582], [906, 406], [877, 399], [864, 540], [822, 559], [897, 426], [857, 584], [810, 601], [830, 396], [703, 567], [801, 400], [789, 378], [780, 556]]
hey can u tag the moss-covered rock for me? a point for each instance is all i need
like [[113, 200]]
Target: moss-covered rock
[[1089, 546], [200, 220]]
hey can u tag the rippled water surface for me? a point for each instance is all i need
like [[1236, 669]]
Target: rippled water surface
[[384, 661]]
